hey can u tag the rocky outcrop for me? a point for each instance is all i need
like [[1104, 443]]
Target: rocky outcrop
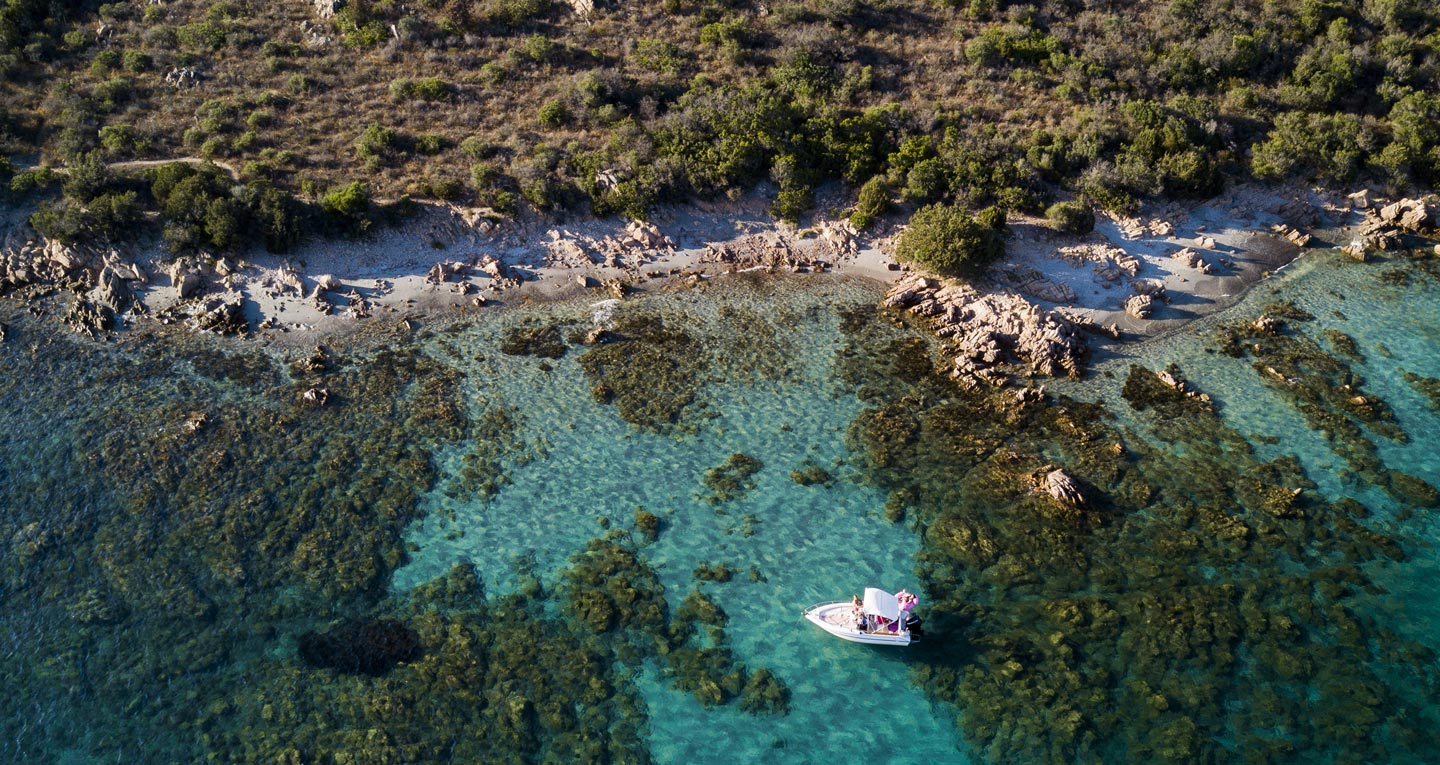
[[1140, 306], [184, 78], [1292, 234], [88, 318], [1134, 228], [1411, 215], [811, 250], [1112, 264], [112, 291], [1384, 227], [987, 331], [639, 244], [1171, 379], [1189, 258], [1032, 283], [447, 271], [223, 315]]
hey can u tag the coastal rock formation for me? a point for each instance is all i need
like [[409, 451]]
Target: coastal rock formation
[[1032, 283], [1140, 306], [809, 250], [112, 291], [985, 331], [1411, 215], [640, 243], [1293, 234], [223, 315], [1112, 264], [88, 318], [447, 271], [1189, 258], [1384, 227], [1134, 228]]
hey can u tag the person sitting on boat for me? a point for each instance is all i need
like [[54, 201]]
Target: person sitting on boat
[[857, 613]]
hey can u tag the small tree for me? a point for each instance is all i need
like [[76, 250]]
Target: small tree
[[947, 240]]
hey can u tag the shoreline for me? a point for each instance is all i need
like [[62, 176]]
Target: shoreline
[[1182, 261]]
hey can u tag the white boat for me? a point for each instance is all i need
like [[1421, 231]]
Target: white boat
[[880, 619]]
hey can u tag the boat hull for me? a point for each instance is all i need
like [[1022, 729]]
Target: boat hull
[[837, 619]]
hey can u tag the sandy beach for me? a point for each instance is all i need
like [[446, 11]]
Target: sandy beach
[[1226, 244], [1180, 260]]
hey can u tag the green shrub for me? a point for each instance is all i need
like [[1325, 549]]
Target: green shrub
[[350, 208], [874, 201], [1071, 217], [298, 84], [659, 56], [513, 12], [998, 45], [276, 216], [104, 62], [447, 189], [34, 178], [552, 115], [350, 201], [538, 49], [110, 216], [89, 176], [476, 147], [377, 144], [790, 203], [426, 89], [430, 144], [122, 140], [948, 241], [1332, 146], [206, 34]]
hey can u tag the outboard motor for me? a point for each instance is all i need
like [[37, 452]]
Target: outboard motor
[[912, 623]]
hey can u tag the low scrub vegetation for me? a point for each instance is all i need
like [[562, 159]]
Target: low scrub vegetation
[[509, 103]]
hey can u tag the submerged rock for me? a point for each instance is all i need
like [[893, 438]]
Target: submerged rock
[[371, 647], [1063, 489]]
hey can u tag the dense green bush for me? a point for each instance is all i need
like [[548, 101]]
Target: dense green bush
[[377, 145], [277, 217], [109, 216], [350, 206], [947, 240], [1071, 217], [552, 114], [874, 201], [1332, 146], [425, 89], [791, 203]]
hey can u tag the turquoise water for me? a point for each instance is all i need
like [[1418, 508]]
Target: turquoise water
[[1396, 329], [808, 543], [159, 574]]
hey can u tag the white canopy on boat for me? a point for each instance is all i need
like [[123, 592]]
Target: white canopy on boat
[[882, 603]]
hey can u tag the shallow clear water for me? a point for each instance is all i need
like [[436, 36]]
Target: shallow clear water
[[116, 662], [808, 543]]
